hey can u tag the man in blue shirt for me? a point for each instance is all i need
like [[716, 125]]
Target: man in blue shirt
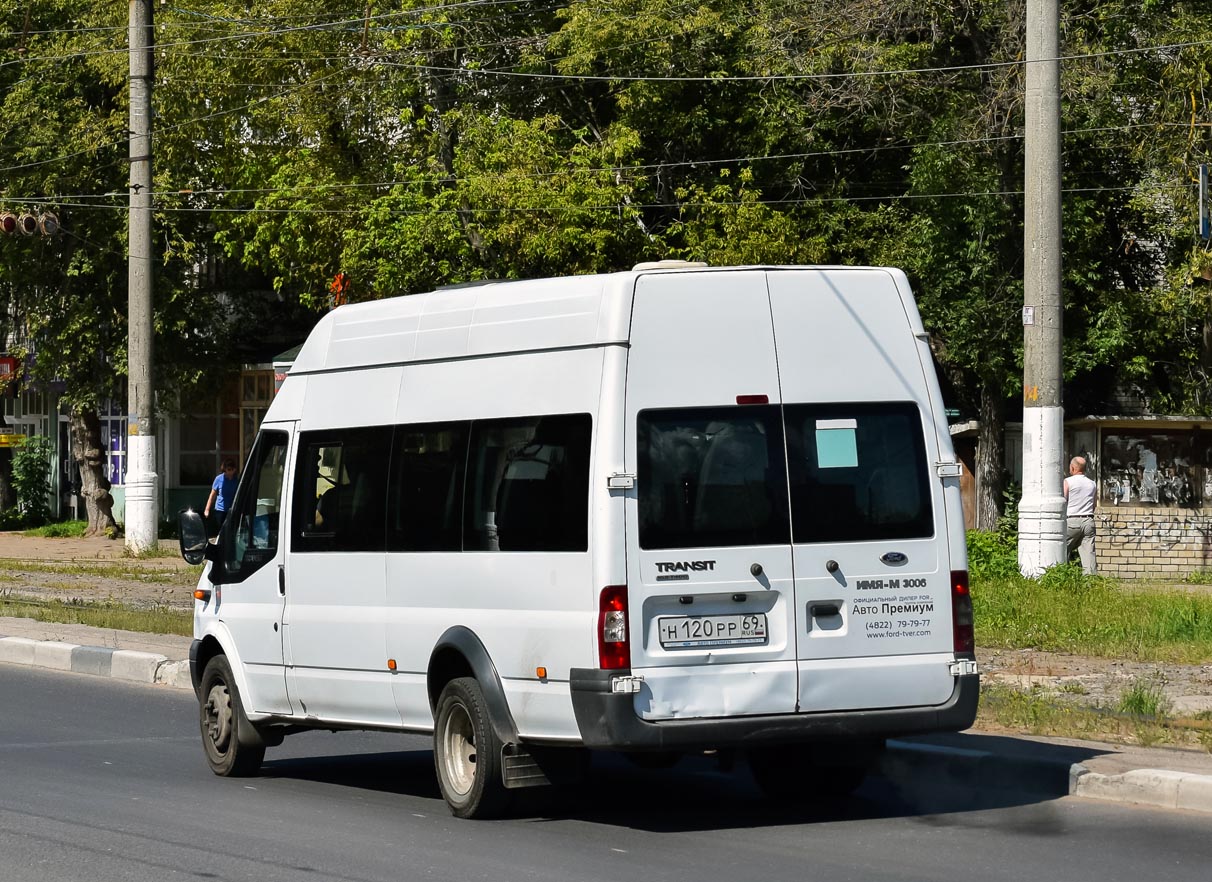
[[222, 493]]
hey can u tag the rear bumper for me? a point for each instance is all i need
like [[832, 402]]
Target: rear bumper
[[607, 720]]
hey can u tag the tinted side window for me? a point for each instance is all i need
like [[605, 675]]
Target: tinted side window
[[528, 484], [250, 535], [425, 496], [712, 477], [341, 490], [858, 471]]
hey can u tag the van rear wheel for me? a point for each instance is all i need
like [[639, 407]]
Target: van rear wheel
[[467, 753], [233, 748], [813, 773]]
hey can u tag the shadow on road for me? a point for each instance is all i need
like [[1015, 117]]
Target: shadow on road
[[699, 794]]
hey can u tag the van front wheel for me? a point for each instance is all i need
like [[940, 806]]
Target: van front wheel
[[467, 753], [232, 747]]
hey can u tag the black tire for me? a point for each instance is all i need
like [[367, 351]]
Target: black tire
[[232, 746], [812, 774], [467, 753]]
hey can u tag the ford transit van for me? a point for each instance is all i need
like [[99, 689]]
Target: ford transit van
[[671, 510]]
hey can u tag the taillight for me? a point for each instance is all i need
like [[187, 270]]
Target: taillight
[[614, 651], [961, 612]]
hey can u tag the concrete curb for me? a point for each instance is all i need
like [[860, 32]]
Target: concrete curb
[[943, 766], [100, 661], [1157, 787]]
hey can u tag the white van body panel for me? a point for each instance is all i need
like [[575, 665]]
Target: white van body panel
[[336, 603], [529, 609], [856, 322], [482, 320], [359, 629], [700, 340], [255, 681]]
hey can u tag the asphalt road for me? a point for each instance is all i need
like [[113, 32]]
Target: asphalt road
[[105, 782]]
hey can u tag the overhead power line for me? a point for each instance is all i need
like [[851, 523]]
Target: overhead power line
[[629, 206]]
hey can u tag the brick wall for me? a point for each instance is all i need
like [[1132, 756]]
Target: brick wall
[[1135, 542]]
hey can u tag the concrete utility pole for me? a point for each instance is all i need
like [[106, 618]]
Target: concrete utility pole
[[1041, 513], [142, 485]]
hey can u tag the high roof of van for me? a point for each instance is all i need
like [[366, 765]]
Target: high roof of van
[[481, 319]]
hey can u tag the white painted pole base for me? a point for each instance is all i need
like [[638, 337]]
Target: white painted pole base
[[1041, 513], [142, 494]]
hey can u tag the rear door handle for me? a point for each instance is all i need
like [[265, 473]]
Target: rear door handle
[[282, 580]]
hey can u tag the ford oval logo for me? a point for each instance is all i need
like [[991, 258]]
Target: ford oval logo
[[894, 558]]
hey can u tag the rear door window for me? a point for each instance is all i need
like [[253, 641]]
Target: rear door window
[[858, 472], [711, 477]]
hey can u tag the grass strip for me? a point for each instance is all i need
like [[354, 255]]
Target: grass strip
[[58, 530], [1093, 617], [117, 570], [156, 620], [1037, 713]]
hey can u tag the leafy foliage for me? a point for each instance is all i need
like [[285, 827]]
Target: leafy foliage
[[399, 147], [31, 478], [992, 555]]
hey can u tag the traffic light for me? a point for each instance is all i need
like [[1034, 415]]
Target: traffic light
[[28, 223]]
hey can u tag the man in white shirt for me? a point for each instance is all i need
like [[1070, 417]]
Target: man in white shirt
[[1079, 514]]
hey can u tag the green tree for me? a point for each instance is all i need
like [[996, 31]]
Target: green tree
[[63, 123]]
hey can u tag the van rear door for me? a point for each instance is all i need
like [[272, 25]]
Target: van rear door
[[872, 573], [710, 590]]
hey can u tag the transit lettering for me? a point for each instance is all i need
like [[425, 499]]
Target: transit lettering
[[682, 566]]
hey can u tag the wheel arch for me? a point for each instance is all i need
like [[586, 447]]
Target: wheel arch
[[460, 653], [218, 641]]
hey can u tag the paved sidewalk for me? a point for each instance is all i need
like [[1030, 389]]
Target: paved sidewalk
[[16, 546]]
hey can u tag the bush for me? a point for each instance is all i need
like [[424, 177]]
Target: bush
[[12, 519], [992, 555], [31, 478]]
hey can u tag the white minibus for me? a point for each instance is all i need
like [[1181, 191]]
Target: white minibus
[[671, 510]]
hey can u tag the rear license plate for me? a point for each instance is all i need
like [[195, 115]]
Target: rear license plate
[[683, 632]]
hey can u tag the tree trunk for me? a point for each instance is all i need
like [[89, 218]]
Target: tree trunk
[[94, 486], [990, 458]]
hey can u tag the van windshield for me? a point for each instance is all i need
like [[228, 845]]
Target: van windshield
[[858, 471], [712, 477]]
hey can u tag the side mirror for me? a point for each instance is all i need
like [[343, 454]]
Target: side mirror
[[195, 547]]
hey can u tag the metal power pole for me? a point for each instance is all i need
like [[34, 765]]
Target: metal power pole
[[1041, 514], [142, 496]]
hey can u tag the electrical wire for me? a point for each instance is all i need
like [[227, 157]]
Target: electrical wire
[[630, 207]]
